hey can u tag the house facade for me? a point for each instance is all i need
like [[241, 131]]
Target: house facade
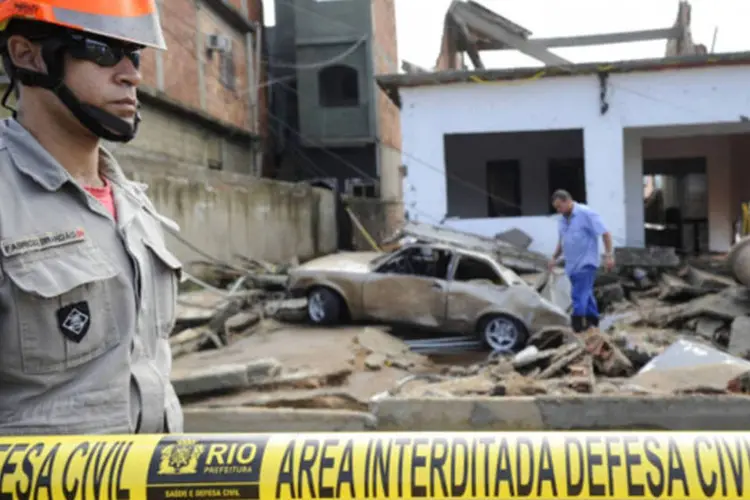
[[658, 147], [330, 120]]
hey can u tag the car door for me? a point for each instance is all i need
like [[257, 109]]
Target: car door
[[466, 299], [396, 297]]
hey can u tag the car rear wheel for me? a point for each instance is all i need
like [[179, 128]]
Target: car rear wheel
[[323, 306], [503, 334]]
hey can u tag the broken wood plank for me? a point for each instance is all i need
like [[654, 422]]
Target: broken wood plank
[[557, 366]]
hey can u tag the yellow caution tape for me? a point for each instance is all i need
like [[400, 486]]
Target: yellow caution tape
[[378, 466]]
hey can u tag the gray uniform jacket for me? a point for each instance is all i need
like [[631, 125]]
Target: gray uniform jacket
[[86, 303]]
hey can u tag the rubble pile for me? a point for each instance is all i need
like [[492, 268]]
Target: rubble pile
[[669, 326], [224, 303]]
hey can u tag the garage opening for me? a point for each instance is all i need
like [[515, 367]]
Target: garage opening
[[675, 194], [495, 175]]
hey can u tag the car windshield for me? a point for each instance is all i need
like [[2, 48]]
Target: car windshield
[[379, 260]]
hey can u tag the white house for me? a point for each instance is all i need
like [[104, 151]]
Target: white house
[[483, 150]]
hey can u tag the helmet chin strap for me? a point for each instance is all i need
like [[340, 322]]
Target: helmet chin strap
[[100, 122]]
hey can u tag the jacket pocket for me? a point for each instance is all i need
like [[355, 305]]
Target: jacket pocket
[[166, 272], [63, 303]]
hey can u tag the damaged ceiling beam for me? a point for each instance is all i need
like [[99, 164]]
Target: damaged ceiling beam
[[471, 28], [588, 40], [412, 68], [471, 48], [468, 13]]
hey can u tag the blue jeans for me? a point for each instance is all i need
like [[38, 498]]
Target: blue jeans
[[582, 292]]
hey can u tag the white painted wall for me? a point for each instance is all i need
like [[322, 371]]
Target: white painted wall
[[646, 101]]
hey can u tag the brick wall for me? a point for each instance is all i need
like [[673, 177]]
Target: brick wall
[[385, 52], [188, 75], [228, 103]]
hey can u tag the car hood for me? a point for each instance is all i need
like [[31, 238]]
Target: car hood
[[352, 262]]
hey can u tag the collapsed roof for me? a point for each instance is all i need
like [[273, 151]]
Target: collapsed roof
[[471, 28]]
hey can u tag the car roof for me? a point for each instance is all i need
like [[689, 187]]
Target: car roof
[[459, 250]]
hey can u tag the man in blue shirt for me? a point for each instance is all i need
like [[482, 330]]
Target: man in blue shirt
[[579, 230]]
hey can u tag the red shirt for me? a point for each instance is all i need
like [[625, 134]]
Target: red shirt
[[104, 195]]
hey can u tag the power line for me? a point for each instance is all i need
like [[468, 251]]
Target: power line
[[338, 157], [444, 172]]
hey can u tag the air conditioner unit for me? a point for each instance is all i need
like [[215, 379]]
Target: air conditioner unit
[[219, 43]]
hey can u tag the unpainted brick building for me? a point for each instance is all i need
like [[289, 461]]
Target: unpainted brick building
[[204, 100]]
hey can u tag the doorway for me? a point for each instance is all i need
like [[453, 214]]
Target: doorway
[[675, 196]]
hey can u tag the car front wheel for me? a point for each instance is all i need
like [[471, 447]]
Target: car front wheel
[[503, 334], [323, 306]]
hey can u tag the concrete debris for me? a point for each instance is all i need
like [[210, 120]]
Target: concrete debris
[[606, 356], [675, 289], [669, 326], [738, 261], [651, 257], [608, 295], [739, 337], [690, 366], [223, 378], [708, 282], [515, 237], [230, 305], [517, 258]]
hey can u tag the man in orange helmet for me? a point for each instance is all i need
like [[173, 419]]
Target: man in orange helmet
[[87, 285]]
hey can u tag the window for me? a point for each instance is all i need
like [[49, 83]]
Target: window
[[419, 261], [227, 69], [567, 174], [503, 188], [338, 87], [471, 269]]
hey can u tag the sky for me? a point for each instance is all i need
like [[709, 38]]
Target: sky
[[420, 23]]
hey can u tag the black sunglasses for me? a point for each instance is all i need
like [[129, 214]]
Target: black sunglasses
[[103, 53]]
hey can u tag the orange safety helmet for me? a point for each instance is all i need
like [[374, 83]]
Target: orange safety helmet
[[134, 21], [59, 25]]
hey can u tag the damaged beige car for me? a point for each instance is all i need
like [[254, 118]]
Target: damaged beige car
[[432, 286]]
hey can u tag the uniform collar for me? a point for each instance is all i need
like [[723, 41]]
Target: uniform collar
[[32, 159]]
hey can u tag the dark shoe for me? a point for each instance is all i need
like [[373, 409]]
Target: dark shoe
[[592, 321], [577, 323]]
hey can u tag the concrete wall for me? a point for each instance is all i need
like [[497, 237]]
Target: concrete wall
[[709, 96], [185, 140], [376, 216], [482, 414], [225, 214]]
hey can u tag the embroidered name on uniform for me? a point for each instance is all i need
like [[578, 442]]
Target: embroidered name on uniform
[[20, 246]]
